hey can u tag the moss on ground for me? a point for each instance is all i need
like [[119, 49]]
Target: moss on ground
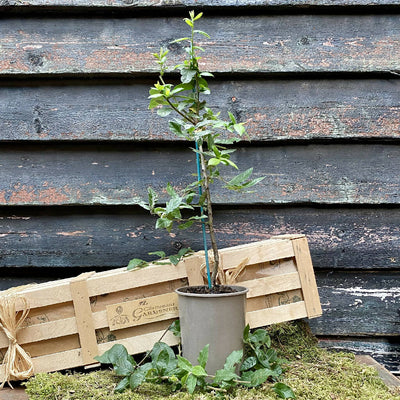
[[313, 373]]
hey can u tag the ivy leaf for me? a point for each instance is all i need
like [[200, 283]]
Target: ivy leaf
[[199, 371], [184, 364], [137, 263], [112, 355], [137, 378], [256, 378], [174, 259], [160, 254], [233, 359], [203, 356], [260, 337], [246, 333], [283, 391], [123, 367], [122, 385], [248, 363], [175, 328], [224, 375], [191, 383]]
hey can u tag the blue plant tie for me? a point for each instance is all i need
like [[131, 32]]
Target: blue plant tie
[[203, 224]]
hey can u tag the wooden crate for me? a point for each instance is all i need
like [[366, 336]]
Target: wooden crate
[[72, 320]]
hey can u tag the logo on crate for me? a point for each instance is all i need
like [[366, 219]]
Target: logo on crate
[[142, 311]]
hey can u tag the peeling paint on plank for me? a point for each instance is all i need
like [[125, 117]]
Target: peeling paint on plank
[[76, 46], [273, 110]]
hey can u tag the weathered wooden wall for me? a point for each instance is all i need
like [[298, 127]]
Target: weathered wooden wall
[[317, 82]]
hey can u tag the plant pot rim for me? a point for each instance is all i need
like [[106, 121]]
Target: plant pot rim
[[240, 291]]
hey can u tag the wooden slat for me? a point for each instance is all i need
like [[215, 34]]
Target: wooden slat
[[333, 174], [165, 4], [275, 110], [363, 238], [73, 358], [100, 284], [271, 284], [356, 304], [273, 315], [307, 277], [299, 43], [385, 351], [256, 253], [83, 316]]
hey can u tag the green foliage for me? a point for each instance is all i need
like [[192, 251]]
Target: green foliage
[[251, 368], [195, 122], [137, 263]]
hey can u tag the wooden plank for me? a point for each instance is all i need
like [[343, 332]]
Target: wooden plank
[[386, 351], [300, 43], [178, 4], [101, 175], [361, 238], [275, 110], [259, 252], [73, 358], [307, 277], [142, 311], [272, 315], [358, 304], [83, 317], [388, 378], [271, 284]]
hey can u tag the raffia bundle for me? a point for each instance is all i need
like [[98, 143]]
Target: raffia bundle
[[18, 364]]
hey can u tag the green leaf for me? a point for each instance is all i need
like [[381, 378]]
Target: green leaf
[[180, 40], [163, 223], [175, 128], [203, 356], [186, 225], [260, 337], [171, 190], [246, 332], [153, 197], [160, 254], [248, 363], [122, 385], [189, 22], [137, 263], [137, 378], [175, 328], [191, 383], [187, 75], [199, 371], [184, 364], [160, 347], [198, 16], [238, 179], [232, 117], [233, 359], [256, 378], [164, 111], [112, 355], [224, 375], [262, 357], [213, 162], [202, 33], [123, 367], [184, 251], [283, 391], [174, 259]]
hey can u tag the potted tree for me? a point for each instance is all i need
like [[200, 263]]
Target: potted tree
[[211, 312]]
